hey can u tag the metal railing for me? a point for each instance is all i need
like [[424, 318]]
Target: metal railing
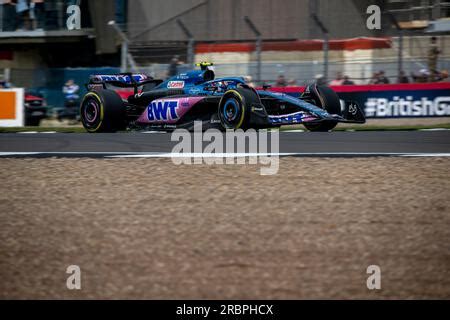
[[50, 81], [24, 15]]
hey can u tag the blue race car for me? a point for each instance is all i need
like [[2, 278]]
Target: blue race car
[[224, 103]]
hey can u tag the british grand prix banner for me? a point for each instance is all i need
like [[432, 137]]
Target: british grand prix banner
[[394, 101]]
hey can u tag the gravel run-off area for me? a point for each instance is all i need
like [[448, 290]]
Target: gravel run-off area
[[146, 228]]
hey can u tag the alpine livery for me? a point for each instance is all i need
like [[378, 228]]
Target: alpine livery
[[224, 103]]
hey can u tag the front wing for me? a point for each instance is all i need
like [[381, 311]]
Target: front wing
[[351, 113]]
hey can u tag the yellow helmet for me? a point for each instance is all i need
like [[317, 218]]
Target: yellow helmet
[[204, 64]]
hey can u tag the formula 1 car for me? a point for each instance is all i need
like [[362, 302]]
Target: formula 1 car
[[223, 103]]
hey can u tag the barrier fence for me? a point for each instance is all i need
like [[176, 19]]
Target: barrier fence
[[377, 101], [49, 82]]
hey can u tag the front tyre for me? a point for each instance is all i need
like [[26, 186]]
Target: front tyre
[[234, 108], [102, 111], [325, 98]]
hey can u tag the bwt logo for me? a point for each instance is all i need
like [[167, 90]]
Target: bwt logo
[[162, 110], [74, 20], [382, 107]]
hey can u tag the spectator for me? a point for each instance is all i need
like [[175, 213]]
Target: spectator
[[444, 76], [424, 76], [338, 81], [402, 77], [23, 15], [173, 66], [71, 89], [433, 54], [347, 81], [374, 79], [9, 15], [37, 14], [281, 81], [71, 101], [415, 77], [382, 79], [3, 84], [421, 77], [292, 83]]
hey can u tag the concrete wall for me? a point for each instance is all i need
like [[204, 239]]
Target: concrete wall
[[215, 20]]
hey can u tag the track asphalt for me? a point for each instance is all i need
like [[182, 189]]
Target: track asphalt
[[291, 143]]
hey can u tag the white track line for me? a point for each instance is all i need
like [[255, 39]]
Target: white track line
[[434, 129], [5, 154], [147, 132], [72, 153], [427, 155], [222, 155], [202, 155], [238, 155]]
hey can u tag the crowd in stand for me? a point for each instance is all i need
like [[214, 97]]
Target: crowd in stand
[[19, 15], [378, 77], [28, 15], [430, 74], [423, 76]]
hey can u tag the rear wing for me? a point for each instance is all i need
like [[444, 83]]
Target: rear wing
[[121, 80]]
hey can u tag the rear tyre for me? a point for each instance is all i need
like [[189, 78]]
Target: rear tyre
[[102, 111], [234, 108], [327, 99]]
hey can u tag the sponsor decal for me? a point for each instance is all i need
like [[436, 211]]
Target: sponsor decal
[[120, 78], [175, 84], [194, 91], [95, 86], [183, 76], [139, 77], [352, 109], [162, 110], [257, 109], [290, 118], [407, 107]]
